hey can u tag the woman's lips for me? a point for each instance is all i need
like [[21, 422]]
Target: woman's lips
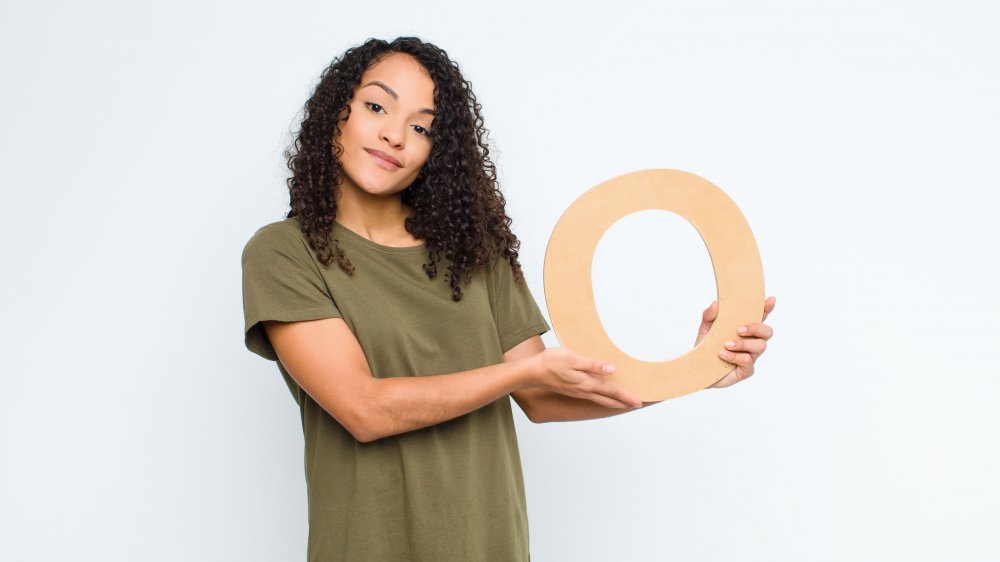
[[384, 160]]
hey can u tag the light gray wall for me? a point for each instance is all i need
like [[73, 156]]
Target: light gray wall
[[141, 146]]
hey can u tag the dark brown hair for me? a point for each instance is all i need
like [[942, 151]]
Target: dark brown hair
[[456, 199]]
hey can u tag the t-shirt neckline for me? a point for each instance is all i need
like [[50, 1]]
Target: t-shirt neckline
[[359, 239]]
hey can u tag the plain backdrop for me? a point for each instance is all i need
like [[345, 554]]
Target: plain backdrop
[[141, 147]]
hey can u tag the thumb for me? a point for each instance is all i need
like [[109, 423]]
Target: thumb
[[708, 318], [593, 366]]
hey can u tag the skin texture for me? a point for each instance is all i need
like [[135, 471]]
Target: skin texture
[[387, 114], [325, 358]]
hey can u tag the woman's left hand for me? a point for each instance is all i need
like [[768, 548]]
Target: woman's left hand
[[744, 351]]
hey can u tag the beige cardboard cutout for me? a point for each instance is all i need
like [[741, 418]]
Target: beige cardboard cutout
[[739, 277]]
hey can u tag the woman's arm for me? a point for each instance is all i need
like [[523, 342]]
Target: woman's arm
[[326, 360]]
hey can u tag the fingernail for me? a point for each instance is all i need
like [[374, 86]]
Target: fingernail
[[742, 329], [723, 354], [730, 343], [609, 368]]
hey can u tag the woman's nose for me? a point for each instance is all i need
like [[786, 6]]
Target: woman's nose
[[394, 133]]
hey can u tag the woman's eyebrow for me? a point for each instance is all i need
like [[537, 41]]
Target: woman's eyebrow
[[394, 95]]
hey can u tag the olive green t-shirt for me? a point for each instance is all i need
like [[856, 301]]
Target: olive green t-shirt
[[452, 491]]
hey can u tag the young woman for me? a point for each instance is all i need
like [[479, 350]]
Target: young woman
[[393, 300]]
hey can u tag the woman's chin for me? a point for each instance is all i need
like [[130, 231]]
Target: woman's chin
[[377, 189]]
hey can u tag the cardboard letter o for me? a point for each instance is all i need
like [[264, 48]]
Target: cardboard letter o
[[739, 277]]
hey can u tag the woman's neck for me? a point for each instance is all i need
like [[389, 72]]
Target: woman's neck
[[379, 219]]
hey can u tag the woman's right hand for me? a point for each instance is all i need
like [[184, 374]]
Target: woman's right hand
[[570, 374]]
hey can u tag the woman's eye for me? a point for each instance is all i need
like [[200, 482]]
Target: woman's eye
[[422, 130], [374, 106]]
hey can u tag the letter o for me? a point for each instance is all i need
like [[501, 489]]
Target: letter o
[[739, 276]]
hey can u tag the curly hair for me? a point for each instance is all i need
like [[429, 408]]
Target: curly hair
[[458, 208]]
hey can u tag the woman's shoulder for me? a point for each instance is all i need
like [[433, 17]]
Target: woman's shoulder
[[285, 234], [288, 225]]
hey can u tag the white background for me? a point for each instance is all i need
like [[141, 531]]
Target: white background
[[141, 147]]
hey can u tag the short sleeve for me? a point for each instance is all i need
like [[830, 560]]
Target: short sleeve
[[517, 315], [281, 281]]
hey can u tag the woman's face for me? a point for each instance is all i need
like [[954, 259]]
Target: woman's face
[[385, 139]]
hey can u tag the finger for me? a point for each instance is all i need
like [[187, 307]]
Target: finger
[[768, 306], [756, 330], [728, 380], [742, 360], [708, 317], [709, 314], [618, 394], [731, 378], [753, 346], [606, 402], [592, 366]]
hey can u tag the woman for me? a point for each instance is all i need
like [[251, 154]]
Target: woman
[[393, 300]]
